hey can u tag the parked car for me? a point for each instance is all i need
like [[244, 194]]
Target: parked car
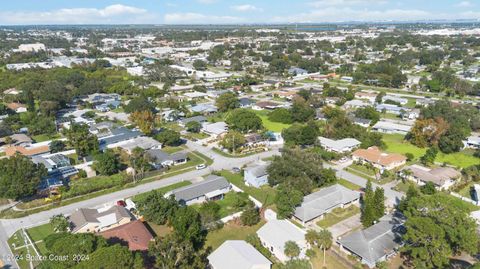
[[121, 203], [236, 170], [200, 166]]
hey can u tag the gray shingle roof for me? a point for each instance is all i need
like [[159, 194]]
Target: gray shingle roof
[[83, 216], [317, 203], [211, 183], [376, 241], [258, 170], [237, 254], [161, 156]]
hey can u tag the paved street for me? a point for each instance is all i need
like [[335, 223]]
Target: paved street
[[10, 226]]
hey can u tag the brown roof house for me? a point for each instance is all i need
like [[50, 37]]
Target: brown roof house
[[17, 107], [379, 159], [134, 233], [31, 150], [86, 220], [442, 177]]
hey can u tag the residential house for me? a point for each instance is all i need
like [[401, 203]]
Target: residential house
[[377, 243], [17, 107], [204, 108], [339, 146], [59, 172], [473, 142], [295, 71], [275, 233], [261, 105], [354, 104], [442, 177], [256, 175], [86, 220], [116, 136], [410, 114], [216, 129], [212, 188], [143, 142], [255, 139], [28, 150], [245, 102], [392, 109], [163, 159], [18, 140], [134, 233], [370, 96], [379, 159], [400, 100], [199, 119], [237, 254], [362, 122], [389, 127], [315, 205]]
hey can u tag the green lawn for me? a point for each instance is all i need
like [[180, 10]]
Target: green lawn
[[45, 137], [226, 204], [395, 143], [402, 187], [264, 194], [230, 231], [349, 185], [331, 261], [276, 127], [40, 232], [171, 150], [362, 169], [337, 215]]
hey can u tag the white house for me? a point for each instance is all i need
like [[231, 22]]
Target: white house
[[275, 233], [339, 146], [237, 254]]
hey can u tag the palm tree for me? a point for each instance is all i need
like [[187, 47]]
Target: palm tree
[[292, 250], [325, 241], [311, 237]]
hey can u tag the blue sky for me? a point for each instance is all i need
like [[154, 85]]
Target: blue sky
[[230, 11]]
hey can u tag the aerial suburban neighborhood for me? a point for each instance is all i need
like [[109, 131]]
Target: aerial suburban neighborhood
[[216, 142]]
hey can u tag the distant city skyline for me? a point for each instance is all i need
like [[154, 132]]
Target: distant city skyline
[[27, 12]]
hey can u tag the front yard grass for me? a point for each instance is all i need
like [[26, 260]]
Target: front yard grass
[[230, 231], [349, 185], [331, 262], [402, 186], [265, 194], [362, 169], [337, 215], [45, 137], [40, 232]]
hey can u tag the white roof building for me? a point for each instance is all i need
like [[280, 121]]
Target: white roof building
[[238, 254], [275, 233], [340, 146]]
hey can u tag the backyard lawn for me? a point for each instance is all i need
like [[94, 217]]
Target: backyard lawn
[[45, 137], [276, 127], [264, 194], [396, 144], [337, 215], [331, 262], [230, 231]]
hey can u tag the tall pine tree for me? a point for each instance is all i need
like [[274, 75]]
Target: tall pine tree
[[368, 207]]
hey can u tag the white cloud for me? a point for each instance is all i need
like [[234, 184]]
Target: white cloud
[[198, 18], [334, 14], [206, 1], [464, 4], [246, 7], [331, 3], [111, 14]]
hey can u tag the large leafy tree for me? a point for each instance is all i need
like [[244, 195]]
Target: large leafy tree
[[173, 251], [244, 121], [169, 137], [299, 168], [438, 226], [232, 141], [113, 257], [145, 120], [187, 224], [286, 200], [107, 163], [19, 177], [291, 249], [156, 208], [227, 101], [81, 139]]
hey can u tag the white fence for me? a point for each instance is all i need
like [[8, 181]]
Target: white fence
[[465, 198]]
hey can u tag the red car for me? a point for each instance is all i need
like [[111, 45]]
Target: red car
[[121, 203]]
